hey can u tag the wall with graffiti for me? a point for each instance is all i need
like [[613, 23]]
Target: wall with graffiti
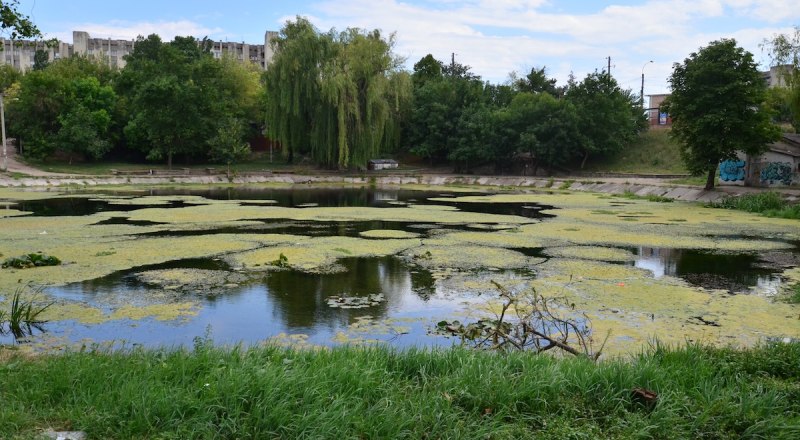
[[732, 170], [776, 173], [767, 170]]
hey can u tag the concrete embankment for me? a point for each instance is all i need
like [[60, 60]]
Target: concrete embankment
[[616, 185]]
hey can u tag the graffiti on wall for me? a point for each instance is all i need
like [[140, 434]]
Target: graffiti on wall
[[777, 172], [731, 170]]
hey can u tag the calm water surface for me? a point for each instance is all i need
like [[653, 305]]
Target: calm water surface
[[294, 303]]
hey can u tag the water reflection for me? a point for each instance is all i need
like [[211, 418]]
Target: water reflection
[[736, 273], [284, 302]]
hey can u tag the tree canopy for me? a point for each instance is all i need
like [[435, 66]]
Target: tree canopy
[[717, 94], [14, 23], [784, 50], [336, 95]]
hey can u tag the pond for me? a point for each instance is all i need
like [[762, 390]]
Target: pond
[[329, 265]]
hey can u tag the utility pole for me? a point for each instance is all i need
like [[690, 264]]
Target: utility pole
[[641, 94], [452, 61], [609, 67], [3, 124]]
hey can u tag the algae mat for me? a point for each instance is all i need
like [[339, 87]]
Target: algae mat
[[123, 265]]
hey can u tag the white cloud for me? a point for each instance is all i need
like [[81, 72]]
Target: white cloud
[[497, 37], [130, 30]]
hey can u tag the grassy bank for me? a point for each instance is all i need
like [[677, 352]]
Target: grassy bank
[[654, 152], [379, 393], [769, 203]]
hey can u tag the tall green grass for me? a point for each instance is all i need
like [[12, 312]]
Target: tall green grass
[[349, 392], [769, 203]]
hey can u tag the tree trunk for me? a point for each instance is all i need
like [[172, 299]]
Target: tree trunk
[[712, 177], [585, 158], [169, 160]]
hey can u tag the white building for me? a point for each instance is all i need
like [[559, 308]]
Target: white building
[[21, 53]]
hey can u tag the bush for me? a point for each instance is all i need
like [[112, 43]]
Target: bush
[[769, 203], [757, 202]]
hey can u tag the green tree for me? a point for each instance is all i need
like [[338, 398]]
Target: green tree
[[536, 82], [40, 59], [177, 97], [438, 111], [67, 106], [426, 69], [784, 50], [16, 24], [609, 116], [547, 128], [228, 144], [717, 94], [86, 118], [8, 77], [338, 96]]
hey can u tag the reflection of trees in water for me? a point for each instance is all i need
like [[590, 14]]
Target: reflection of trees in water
[[301, 298], [732, 271]]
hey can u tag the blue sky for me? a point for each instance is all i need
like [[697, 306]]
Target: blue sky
[[494, 37]]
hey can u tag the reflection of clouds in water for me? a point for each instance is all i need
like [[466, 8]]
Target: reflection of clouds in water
[[768, 285], [658, 261], [654, 265]]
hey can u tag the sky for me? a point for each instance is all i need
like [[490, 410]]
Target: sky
[[494, 37]]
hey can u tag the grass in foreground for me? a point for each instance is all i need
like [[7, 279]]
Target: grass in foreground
[[348, 392]]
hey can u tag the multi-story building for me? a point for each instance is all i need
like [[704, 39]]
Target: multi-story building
[[21, 53]]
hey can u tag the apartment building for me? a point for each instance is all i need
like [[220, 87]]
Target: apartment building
[[21, 53]]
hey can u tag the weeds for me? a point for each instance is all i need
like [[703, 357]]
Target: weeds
[[566, 184], [793, 294], [649, 197], [768, 203], [282, 261], [24, 316]]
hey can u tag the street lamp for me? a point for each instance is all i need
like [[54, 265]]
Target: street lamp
[[641, 93]]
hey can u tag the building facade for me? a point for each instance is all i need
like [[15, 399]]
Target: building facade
[[21, 53]]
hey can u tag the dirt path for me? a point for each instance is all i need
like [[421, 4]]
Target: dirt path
[[15, 166]]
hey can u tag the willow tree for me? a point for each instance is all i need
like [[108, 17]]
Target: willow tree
[[337, 96]]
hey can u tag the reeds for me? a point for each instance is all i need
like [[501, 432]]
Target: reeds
[[24, 315]]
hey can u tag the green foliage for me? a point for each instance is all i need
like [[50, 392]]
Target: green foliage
[[610, 117], [23, 316], [450, 117], [754, 202], [282, 261], [545, 127], [716, 100], [68, 106], [350, 392], [768, 203], [8, 77], [338, 96], [784, 50], [19, 25], [227, 145], [793, 294], [536, 82], [31, 260], [649, 197]]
